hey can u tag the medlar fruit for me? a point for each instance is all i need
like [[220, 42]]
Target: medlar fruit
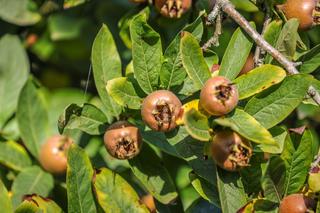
[[296, 203], [160, 110], [248, 66], [218, 96], [123, 140], [230, 151], [307, 11], [173, 8], [53, 154]]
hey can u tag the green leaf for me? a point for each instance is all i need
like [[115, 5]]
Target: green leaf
[[79, 177], [172, 72], [251, 175], [40, 203], [201, 205], [298, 164], [159, 140], [310, 60], [146, 53], [193, 60], [247, 126], [123, 92], [153, 176], [31, 180], [205, 189], [106, 64], [271, 35], [192, 151], [14, 156], [14, 69], [231, 191], [258, 80], [27, 207], [197, 125], [73, 3], [124, 26], [32, 117], [114, 194], [279, 134], [273, 179], [287, 41], [236, 54], [19, 12], [65, 27], [87, 118], [5, 202], [275, 104]]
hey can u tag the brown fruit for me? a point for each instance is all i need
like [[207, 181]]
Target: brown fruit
[[53, 154], [149, 202], [123, 140], [218, 96], [296, 203], [160, 110], [248, 66], [306, 11], [230, 151], [173, 8]]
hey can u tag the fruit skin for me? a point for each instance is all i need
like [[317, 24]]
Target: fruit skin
[[248, 66], [219, 96], [304, 10], [160, 110], [172, 8], [296, 203], [53, 154], [123, 140], [230, 151]]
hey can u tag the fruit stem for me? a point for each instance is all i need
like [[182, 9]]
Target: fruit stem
[[228, 8]]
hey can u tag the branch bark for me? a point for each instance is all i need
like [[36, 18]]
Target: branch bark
[[229, 9]]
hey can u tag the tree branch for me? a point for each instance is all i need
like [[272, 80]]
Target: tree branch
[[229, 9]]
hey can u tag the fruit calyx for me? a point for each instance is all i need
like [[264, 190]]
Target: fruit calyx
[[163, 113], [173, 8], [223, 92], [240, 154], [123, 140]]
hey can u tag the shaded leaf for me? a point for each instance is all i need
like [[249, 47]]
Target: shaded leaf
[[154, 176], [205, 189], [311, 60]]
